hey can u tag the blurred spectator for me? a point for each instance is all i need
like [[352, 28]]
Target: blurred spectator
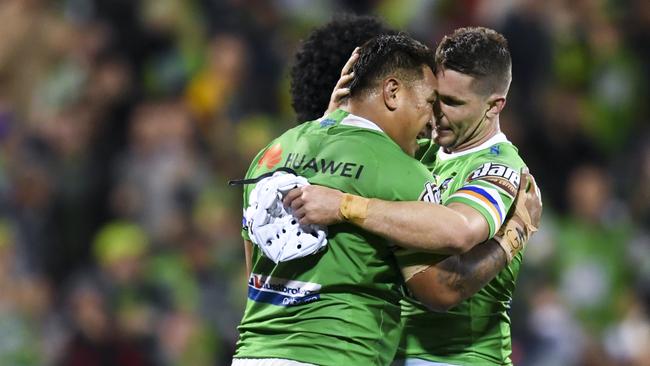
[[95, 340], [592, 269], [640, 186], [34, 38], [24, 307], [556, 337], [158, 175], [214, 88], [627, 340]]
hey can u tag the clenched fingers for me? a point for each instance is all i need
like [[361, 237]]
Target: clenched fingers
[[291, 196], [534, 202]]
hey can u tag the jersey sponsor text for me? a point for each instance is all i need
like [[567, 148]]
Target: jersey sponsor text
[[301, 162], [500, 175], [280, 291]]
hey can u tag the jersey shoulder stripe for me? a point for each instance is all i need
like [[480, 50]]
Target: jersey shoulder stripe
[[488, 197]]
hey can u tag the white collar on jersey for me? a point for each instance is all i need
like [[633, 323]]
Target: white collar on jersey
[[352, 120], [496, 139]]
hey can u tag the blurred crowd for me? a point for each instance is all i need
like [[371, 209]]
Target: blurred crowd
[[122, 120]]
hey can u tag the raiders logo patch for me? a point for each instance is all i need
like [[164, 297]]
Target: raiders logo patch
[[500, 175]]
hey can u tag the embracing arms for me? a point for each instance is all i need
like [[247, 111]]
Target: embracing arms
[[452, 229], [445, 283]]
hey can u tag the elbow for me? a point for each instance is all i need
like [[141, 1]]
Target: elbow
[[463, 232], [442, 302], [460, 244], [434, 296]]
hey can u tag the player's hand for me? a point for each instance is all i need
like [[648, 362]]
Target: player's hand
[[340, 91], [315, 205], [516, 231], [533, 201]]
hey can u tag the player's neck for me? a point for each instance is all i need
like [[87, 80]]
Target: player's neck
[[363, 110], [479, 136]]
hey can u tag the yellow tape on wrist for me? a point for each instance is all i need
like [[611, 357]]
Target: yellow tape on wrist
[[354, 208]]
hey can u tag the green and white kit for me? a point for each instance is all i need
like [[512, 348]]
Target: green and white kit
[[340, 306], [477, 331]]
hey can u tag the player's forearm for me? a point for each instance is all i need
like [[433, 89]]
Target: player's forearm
[[456, 278], [466, 274], [420, 225], [248, 253]]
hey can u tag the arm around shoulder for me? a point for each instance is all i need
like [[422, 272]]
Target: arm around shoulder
[[444, 284], [453, 229]]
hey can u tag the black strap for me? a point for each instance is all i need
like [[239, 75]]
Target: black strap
[[241, 182]]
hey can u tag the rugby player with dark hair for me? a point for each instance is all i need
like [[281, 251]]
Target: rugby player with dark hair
[[476, 172], [320, 58], [341, 305]]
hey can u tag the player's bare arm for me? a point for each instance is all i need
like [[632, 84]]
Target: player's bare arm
[[452, 229], [445, 284], [248, 252]]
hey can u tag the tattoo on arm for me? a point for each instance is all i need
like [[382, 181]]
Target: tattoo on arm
[[466, 274]]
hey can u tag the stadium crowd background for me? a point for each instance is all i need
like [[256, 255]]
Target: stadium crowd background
[[122, 120]]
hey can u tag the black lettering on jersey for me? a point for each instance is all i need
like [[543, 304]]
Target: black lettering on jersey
[[347, 169], [287, 163], [431, 193], [311, 165], [293, 162], [330, 167], [356, 176], [498, 174]]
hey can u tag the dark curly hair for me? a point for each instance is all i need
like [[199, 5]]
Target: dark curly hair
[[389, 54], [321, 57], [480, 52]]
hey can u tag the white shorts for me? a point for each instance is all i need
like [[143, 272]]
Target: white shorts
[[267, 362]]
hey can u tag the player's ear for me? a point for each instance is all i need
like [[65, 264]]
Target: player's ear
[[389, 91], [496, 103]]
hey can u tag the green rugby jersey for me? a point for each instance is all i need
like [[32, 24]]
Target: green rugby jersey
[[340, 306], [477, 331]]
